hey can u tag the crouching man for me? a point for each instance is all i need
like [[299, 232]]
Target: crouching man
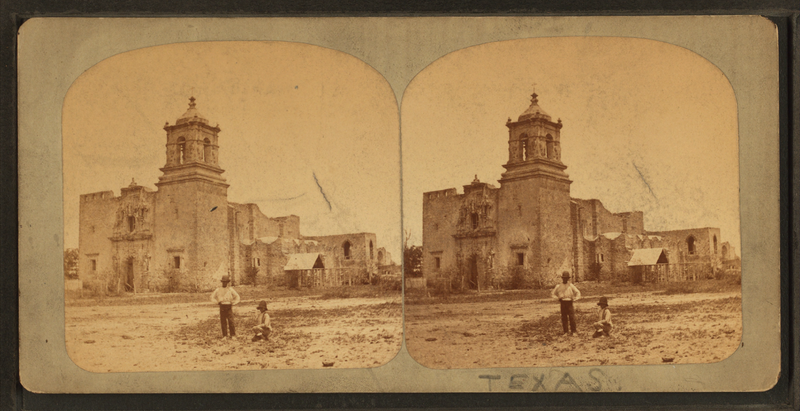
[[263, 327], [603, 325]]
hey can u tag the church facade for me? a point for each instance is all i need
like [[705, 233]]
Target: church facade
[[531, 224], [187, 228]]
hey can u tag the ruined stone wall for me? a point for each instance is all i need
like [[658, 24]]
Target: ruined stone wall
[[287, 226], [587, 268], [360, 260], [96, 226], [235, 246], [704, 244], [613, 255], [619, 257], [587, 220], [598, 220], [727, 251], [579, 266], [276, 256], [255, 255], [383, 257], [605, 221], [440, 215], [632, 222], [253, 224]]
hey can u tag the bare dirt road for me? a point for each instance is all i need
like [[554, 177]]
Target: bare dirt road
[[648, 328], [350, 333]]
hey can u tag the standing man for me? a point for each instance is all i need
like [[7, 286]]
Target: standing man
[[226, 297], [566, 293]]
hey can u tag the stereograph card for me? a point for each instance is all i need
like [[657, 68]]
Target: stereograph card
[[440, 204]]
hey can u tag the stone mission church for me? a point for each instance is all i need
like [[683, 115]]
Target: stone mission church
[[187, 226], [532, 222]]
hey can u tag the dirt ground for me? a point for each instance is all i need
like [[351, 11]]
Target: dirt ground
[[649, 328], [349, 332]]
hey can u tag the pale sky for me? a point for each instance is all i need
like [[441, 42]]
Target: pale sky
[[289, 112], [648, 126]]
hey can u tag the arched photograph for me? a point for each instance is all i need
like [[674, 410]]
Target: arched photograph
[[571, 201], [229, 206]]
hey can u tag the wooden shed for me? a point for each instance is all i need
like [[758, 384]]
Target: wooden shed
[[301, 268], [649, 264]]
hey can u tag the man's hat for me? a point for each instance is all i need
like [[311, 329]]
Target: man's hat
[[565, 274], [603, 302], [262, 304], [225, 279]]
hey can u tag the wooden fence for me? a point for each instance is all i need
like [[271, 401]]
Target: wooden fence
[[671, 272], [415, 282], [326, 277]]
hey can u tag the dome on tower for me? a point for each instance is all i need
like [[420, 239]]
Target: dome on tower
[[191, 114], [534, 111]]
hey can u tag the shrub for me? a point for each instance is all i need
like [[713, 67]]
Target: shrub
[[520, 278], [390, 282], [594, 271], [444, 282], [250, 276], [102, 284], [171, 280]]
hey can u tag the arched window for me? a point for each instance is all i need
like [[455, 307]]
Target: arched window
[[380, 256], [346, 247], [474, 220], [525, 149], [370, 250], [207, 150], [131, 223], [715, 244], [550, 153], [724, 251], [690, 245], [181, 150]]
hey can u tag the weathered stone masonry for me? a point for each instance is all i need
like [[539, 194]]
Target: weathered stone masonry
[[188, 225], [531, 221]]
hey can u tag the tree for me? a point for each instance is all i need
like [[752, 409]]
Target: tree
[[71, 263], [412, 258]]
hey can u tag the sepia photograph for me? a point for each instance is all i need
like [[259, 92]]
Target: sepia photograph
[[571, 202], [231, 205], [399, 205]]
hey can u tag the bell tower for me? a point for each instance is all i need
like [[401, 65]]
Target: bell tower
[[535, 195], [192, 213], [534, 146], [192, 150]]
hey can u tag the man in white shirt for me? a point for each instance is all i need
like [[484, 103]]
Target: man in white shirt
[[226, 297], [567, 293]]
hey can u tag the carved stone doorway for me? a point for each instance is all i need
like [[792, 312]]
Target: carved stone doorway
[[472, 273], [128, 275]]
